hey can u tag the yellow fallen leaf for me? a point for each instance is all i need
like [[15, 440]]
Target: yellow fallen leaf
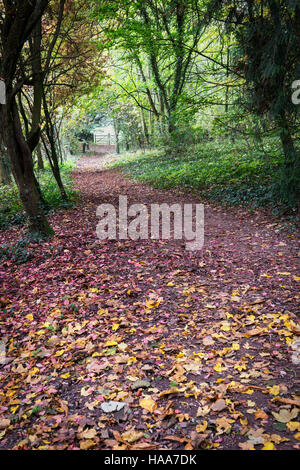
[[132, 436], [148, 404], [226, 326], [171, 391], [218, 367], [102, 311], [269, 446], [65, 376], [241, 366], [40, 332], [87, 444], [293, 426], [223, 425], [131, 360], [85, 391], [202, 411], [59, 353], [274, 390], [111, 343], [202, 427]]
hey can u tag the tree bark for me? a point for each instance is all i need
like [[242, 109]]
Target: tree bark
[[5, 175], [40, 157], [116, 128], [291, 157]]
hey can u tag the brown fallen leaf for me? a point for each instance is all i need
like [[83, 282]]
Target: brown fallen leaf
[[287, 401], [4, 423], [87, 444], [87, 434], [132, 436], [118, 436], [197, 439], [260, 414], [284, 416], [248, 445], [254, 332], [175, 438], [257, 301], [171, 391], [189, 446], [219, 405], [143, 446]]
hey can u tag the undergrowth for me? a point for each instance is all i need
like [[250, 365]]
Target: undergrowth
[[221, 170]]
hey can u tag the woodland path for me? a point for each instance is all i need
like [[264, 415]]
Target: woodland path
[[197, 345]]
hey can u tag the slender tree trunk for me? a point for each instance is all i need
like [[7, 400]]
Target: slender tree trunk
[[291, 157], [227, 87], [53, 158], [40, 157], [145, 128], [116, 128]]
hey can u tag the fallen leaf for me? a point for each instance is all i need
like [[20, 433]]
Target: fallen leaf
[[284, 416], [148, 404]]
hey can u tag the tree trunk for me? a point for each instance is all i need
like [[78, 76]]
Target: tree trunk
[[53, 157], [40, 157], [290, 154], [5, 175], [145, 128], [20, 158], [116, 128]]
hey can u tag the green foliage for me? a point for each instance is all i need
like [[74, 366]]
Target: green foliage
[[209, 84]]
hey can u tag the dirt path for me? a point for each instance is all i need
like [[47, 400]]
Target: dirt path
[[196, 346]]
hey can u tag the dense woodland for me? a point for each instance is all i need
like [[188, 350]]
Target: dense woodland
[[204, 100]]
